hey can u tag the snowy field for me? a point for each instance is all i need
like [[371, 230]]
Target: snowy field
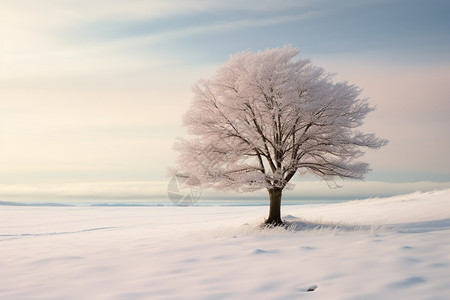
[[389, 248]]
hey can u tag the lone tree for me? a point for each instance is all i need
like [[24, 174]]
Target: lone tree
[[265, 116]]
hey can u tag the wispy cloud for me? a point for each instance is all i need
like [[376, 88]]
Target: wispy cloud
[[85, 191], [45, 22], [147, 190], [144, 38]]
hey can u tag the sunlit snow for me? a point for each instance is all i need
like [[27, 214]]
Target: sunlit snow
[[387, 248]]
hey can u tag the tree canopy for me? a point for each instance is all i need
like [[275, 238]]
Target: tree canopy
[[264, 117]]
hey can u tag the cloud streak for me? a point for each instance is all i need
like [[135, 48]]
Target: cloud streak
[[157, 190]]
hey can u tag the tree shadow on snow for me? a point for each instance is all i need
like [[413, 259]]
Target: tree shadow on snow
[[424, 227], [295, 224]]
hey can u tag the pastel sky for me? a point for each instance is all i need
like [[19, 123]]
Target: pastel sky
[[92, 92]]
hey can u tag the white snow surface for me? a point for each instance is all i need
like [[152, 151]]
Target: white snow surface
[[386, 248]]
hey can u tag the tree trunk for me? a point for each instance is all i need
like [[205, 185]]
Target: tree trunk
[[275, 207]]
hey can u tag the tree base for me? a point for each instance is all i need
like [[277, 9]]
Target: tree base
[[273, 223]]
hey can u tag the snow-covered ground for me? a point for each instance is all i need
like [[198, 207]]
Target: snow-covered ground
[[389, 248]]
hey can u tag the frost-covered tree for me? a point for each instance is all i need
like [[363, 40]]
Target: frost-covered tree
[[264, 117]]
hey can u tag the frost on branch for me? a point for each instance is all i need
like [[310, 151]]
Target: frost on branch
[[266, 116]]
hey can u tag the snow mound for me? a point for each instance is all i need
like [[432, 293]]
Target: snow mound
[[416, 207]]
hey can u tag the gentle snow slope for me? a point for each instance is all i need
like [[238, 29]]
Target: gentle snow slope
[[392, 248]]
